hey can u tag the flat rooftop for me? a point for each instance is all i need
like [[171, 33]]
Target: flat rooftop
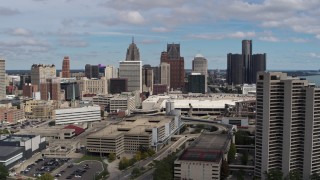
[[208, 147], [13, 138], [7, 150]]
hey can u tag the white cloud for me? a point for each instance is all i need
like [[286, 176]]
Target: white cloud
[[216, 36], [73, 43], [132, 17], [20, 32], [160, 29], [314, 55], [299, 40], [269, 39], [8, 12], [242, 35]]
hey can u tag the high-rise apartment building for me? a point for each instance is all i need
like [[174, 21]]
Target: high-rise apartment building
[[131, 68], [66, 67], [200, 65], [2, 79], [42, 72], [172, 57], [251, 65], [235, 69], [287, 125]]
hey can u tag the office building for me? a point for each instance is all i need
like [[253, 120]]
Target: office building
[[258, 64], [165, 74], [287, 119], [147, 78], [66, 67], [118, 85], [50, 89], [93, 86], [2, 79], [132, 133], [122, 102], [132, 70], [133, 53], [42, 72], [156, 74], [200, 65], [91, 71], [235, 69], [197, 83], [71, 90], [160, 89], [243, 68], [172, 57], [203, 158], [12, 115], [110, 72], [102, 68], [77, 115], [24, 79]]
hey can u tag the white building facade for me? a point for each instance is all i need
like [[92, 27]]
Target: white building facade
[[132, 70], [77, 115]]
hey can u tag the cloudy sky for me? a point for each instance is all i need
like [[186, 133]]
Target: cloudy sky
[[99, 31]]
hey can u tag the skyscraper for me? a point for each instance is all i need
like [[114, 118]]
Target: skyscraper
[[50, 89], [147, 78], [91, 71], [165, 74], [258, 64], [287, 125], [235, 69], [247, 54], [196, 83], [66, 67], [251, 64], [42, 72], [200, 65], [133, 52], [172, 57], [2, 79], [131, 68]]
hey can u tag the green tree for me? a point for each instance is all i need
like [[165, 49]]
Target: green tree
[[273, 174], [245, 158], [4, 173], [124, 163], [240, 174], [138, 155], [151, 152], [52, 123], [144, 155], [135, 172], [232, 153], [46, 176], [294, 175], [224, 169], [112, 157], [315, 176], [164, 168]]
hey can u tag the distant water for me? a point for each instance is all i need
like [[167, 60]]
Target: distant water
[[313, 79]]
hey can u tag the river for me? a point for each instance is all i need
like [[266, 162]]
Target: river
[[313, 79]]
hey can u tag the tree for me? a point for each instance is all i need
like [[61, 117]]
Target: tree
[[240, 174], [315, 176], [124, 163], [273, 174], [52, 123], [46, 176], [294, 175], [151, 152], [112, 157], [144, 155], [245, 158], [224, 169], [232, 153], [135, 172], [4, 173]]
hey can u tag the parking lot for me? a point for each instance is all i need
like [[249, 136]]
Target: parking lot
[[84, 170], [42, 166]]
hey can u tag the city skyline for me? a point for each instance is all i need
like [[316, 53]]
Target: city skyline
[[99, 32]]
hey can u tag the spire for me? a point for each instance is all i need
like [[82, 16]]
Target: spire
[[132, 39]]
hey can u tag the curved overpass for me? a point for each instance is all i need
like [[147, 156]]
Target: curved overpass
[[221, 127]]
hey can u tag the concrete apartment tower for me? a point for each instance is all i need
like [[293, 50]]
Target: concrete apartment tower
[[2, 79], [200, 65], [172, 57], [287, 125], [131, 68], [66, 67]]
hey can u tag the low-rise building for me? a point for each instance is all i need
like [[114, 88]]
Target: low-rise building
[[203, 159], [11, 115], [132, 133], [122, 102], [77, 115]]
